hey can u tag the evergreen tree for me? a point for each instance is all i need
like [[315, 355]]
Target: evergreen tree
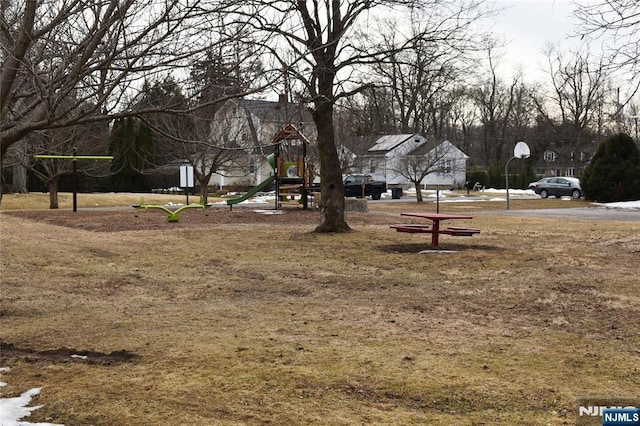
[[614, 171], [165, 126], [132, 148]]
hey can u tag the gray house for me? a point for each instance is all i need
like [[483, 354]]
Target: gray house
[[252, 124], [563, 161]]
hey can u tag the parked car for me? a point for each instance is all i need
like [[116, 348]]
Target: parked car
[[532, 185], [558, 187], [364, 185]]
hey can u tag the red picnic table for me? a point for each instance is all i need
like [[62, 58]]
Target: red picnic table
[[435, 229]]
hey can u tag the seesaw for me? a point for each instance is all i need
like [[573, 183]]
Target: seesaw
[[173, 214]]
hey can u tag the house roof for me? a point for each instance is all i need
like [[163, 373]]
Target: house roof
[[388, 142], [563, 156], [275, 111], [447, 146], [359, 145]]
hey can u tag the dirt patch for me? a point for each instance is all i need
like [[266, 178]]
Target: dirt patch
[[129, 220], [63, 355]]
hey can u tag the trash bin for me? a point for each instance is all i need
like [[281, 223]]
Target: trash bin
[[396, 193]]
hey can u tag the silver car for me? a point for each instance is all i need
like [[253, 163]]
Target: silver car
[[532, 185], [558, 187]]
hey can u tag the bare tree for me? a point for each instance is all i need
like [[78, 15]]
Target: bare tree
[[497, 104], [579, 86], [463, 117], [15, 159], [215, 145], [631, 125], [617, 24], [371, 112], [85, 139], [332, 45], [199, 138], [94, 52], [416, 165], [346, 120], [428, 66]]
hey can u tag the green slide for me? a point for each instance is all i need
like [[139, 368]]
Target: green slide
[[252, 191]]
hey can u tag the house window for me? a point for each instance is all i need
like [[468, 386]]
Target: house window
[[549, 156], [444, 166], [372, 165], [572, 157], [570, 171]]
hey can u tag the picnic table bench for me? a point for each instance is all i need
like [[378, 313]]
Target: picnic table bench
[[434, 229]]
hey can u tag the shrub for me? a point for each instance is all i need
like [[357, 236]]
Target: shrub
[[614, 171], [493, 176]]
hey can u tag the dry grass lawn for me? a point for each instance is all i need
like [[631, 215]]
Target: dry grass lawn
[[245, 318]]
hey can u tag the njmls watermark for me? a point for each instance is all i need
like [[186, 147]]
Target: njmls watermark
[[608, 412]]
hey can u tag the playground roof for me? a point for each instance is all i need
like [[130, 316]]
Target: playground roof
[[288, 133]]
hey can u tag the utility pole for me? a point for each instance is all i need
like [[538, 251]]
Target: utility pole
[[635, 119]]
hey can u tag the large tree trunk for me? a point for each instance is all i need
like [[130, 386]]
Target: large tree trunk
[[19, 170], [1, 179], [19, 179], [418, 192], [53, 193], [332, 202], [204, 187]]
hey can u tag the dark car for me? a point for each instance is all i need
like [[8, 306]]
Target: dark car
[[558, 187], [364, 185]]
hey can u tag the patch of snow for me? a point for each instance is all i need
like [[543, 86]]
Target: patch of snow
[[14, 409], [261, 198], [447, 196], [621, 205], [511, 191]]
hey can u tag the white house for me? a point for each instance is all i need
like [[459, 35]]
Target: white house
[[449, 164], [393, 157]]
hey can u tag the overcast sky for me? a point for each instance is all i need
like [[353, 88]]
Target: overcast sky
[[527, 25]]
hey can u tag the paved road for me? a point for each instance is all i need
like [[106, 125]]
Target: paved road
[[586, 213]]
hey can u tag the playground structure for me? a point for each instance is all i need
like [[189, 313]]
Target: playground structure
[[290, 177]]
